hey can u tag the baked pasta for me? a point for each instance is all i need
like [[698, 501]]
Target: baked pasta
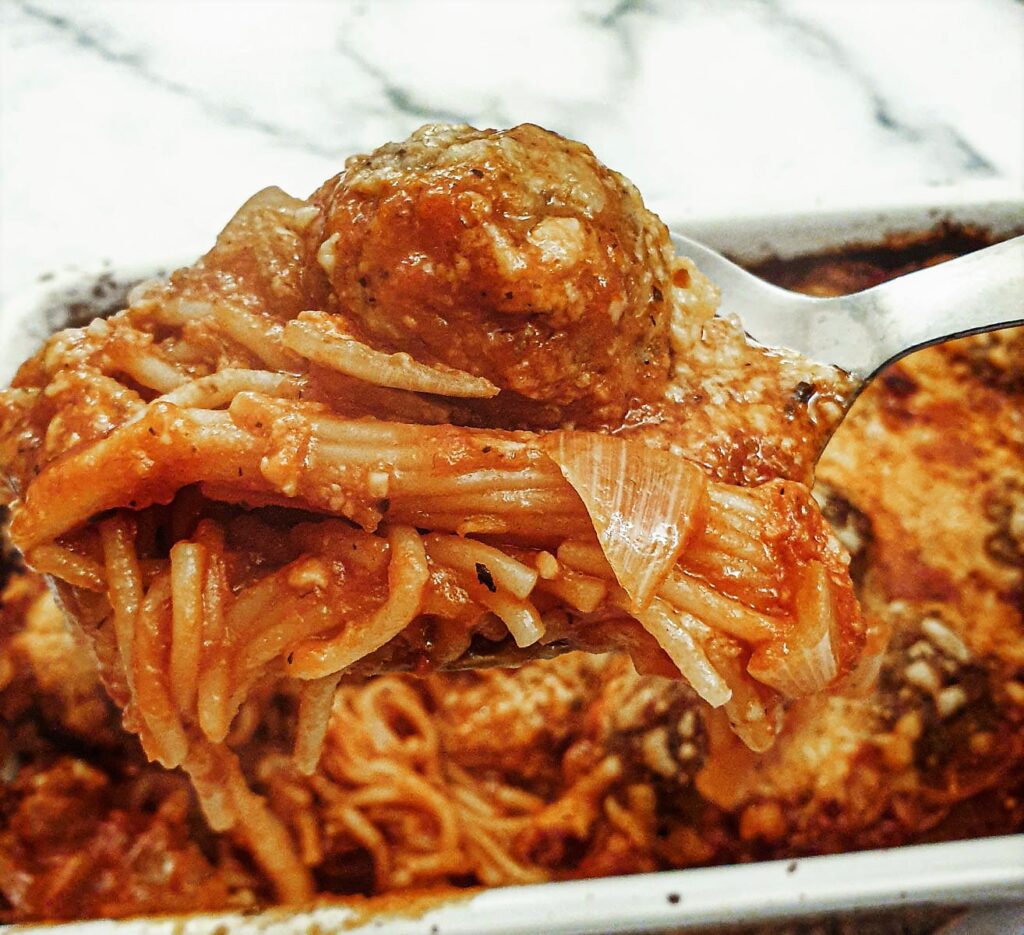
[[578, 766], [462, 406]]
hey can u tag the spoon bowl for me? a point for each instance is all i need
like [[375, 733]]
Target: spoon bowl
[[863, 332]]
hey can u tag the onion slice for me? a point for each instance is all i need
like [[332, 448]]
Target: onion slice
[[644, 504], [803, 661], [862, 679], [681, 636]]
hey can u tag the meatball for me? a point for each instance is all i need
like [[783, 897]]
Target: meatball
[[514, 255]]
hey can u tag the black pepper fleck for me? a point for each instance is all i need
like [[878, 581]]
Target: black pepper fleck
[[483, 575]]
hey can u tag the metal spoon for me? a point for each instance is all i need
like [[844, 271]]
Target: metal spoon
[[864, 332]]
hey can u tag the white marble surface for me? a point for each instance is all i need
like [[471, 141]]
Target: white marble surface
[[131, 129]]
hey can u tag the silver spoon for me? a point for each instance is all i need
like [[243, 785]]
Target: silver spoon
[[864, 332]]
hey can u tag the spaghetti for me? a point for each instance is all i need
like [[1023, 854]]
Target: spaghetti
[[475, 450]]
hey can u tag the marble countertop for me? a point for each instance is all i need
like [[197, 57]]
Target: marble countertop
[[132, 130]]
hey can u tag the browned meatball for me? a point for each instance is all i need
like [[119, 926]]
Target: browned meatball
[[514, 255]]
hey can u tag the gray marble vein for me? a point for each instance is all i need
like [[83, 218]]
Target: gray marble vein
[[134, 129], [943, 143], [136, 64]]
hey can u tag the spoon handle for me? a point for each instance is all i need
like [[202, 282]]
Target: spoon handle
[[982, 291]]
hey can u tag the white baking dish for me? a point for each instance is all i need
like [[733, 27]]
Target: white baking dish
[[965, 873], [960, 873]]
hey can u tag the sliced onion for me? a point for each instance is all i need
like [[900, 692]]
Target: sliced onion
[[804, 661], [680, 635], [754, 718], [862, 679], [644, 504]]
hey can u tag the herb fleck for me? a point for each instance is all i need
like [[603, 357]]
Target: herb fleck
[[483, 575]]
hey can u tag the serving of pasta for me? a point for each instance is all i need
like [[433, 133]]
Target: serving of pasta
[[463, 407]]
